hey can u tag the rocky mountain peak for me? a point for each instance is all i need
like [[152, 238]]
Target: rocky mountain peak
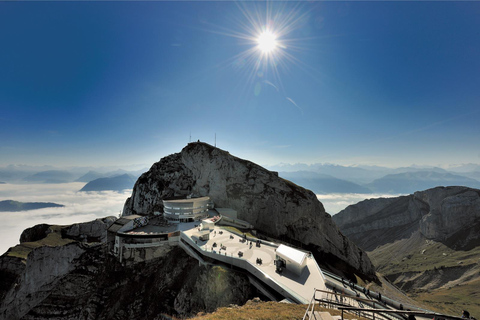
[[275, 206]]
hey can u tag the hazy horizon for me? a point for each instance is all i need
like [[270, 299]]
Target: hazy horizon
[[297, 166], [87, 206]]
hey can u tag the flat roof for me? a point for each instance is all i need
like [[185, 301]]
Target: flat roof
[[120, 222], [186, 200], [296, 255]]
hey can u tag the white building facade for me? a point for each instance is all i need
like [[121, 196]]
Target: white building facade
[[186, 210]]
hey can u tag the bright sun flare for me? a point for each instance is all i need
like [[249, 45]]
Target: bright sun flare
[[267, 42]]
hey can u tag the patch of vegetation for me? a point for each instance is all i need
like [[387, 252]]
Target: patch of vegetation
[[53, 239], [453, 300], [265, 311]]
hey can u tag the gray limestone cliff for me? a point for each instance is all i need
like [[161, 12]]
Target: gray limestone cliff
[[44, 256], [275, 206], [450, 215], [63, 272]]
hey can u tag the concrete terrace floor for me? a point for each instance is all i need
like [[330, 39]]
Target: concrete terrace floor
[[303, 285]]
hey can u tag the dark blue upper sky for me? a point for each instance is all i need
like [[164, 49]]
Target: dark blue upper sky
[[112, 83]]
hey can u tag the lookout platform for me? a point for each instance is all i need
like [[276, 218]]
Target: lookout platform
[[259, 261]]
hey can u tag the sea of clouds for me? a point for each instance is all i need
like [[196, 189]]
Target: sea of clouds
[[87, 206], [79, 207], [336, 202]]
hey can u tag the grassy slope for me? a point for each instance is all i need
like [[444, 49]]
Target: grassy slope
[[53, 239], [453, 300], [409, 259], [406, 255], [265, 311]]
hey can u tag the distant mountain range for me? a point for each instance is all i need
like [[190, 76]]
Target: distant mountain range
[[46, 174], [331, 178], [117, 183], [400, 183], [10, 205], [90, 176], [409, 182], [50, 176], [320, 178], [323, 183]]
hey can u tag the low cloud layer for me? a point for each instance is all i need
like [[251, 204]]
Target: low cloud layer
[[336, 202], [87, 206], [79, 207]]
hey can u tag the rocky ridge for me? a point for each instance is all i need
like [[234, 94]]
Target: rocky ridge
[[275, 206], [450, 215], [426, 243]]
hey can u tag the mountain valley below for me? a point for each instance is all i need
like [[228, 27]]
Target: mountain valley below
[[427, 244]]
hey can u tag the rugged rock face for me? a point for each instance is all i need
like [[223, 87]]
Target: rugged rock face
[[33, 268], [273, 205], [427, 244], [34, 233], [93, 231], [81, 280], [212, 288], [450, 215]]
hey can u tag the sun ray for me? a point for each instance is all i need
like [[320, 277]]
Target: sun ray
[[268, 31]]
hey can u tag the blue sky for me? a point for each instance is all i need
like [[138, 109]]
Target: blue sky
[[117, 83]]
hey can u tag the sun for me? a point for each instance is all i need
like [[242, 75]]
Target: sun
[[267, 42]]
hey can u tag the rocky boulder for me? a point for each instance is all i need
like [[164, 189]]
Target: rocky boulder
[[275, 206], [35, 233], [92, 231]]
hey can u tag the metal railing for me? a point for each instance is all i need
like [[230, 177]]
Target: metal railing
[[334, 300], [423, 314]]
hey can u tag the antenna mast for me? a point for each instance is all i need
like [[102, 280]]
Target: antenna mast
[[215, 139]]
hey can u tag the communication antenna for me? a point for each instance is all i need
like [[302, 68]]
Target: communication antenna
[[215, 139], [190, 137]]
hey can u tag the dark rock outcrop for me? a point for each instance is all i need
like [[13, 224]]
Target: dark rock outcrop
[[275, 206], [211, 288], [35, 233], [450, 215], [83, 281]]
